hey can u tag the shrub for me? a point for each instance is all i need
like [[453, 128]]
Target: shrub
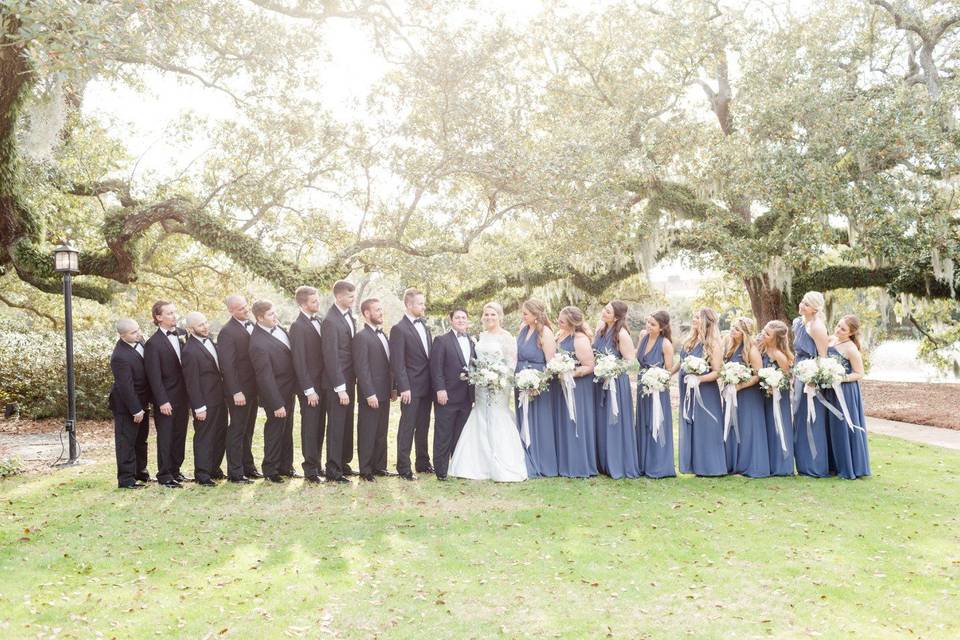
[[9, 467], [33, 373]]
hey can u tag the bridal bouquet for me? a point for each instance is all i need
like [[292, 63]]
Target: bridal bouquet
[[655, 380], [607, 369], [562, 367], [695, 365], [529, 383], [771, 379], [488, 372]]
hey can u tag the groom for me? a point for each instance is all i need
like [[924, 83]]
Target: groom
[[410, 360], [451, 354]]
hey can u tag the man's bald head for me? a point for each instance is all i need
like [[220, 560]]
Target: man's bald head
[[237, 306], [128, 330], [197, 324]]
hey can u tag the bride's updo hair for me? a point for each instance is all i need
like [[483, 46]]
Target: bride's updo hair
[[496, 307], [574, 317]]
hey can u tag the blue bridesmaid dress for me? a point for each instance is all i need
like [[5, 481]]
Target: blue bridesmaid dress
[[781, 464], [576, 440], [849, 447], [808, 464], [701, 437], [541, 455], [617, 451], [752, 459], [656, 457]]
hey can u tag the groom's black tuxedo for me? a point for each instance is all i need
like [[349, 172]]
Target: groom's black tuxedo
[[129, 396], [205, 391], [446, 365], [374, 379], [165, 374], [410, 361]]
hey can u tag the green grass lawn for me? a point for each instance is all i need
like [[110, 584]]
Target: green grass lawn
[[690, 557]]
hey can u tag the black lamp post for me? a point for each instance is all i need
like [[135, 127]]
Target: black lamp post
[[66, 261]]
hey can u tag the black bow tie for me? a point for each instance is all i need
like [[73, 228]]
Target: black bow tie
[[314, 319], [461, 335], [378, 330], [171, 333], [272, 329], [204, 340], [421, 321], [247, 323]]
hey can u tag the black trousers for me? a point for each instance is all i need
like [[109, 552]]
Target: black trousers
[[171, 441], [140, 446], [126, 436], [209, 435], [372, 436], [239, 440], [414, 429], [339, 431], [447, 427], [278, 441], [313, 424]]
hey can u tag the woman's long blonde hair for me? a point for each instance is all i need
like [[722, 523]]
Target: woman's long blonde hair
[[815, 300], [747, 327], [539, 311], [781, 338], [575, 318], [708, 333]]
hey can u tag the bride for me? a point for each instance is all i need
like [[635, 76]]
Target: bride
[[489, 447]]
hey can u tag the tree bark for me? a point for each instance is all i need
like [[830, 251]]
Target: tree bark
[[767, 302]]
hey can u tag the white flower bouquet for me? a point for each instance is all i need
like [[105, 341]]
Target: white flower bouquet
[[561, 364], [654, 380], [609, 367], [733, 373], [488, 372], [531, 381], [772, 378], [695, 365]]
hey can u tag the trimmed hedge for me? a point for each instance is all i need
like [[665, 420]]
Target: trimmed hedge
[[33, 373]]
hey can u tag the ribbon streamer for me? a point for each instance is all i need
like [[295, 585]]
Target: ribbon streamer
[[838, 389], [656, 419], [811, 393], [778, 420], [729, 396], [525, 428], [610, 385], [688, 406], [567, 384]]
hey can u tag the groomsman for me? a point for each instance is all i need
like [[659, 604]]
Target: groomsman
[[339, 382], [410, 350], [240, 385], [129, 401], [201, 373], [371, 360], [171, 410], [277, 384], [451, 354], [307, 349]]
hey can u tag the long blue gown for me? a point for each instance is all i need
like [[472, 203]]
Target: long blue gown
[[541, 455], [781, 464], [701, 437], [849, 447], [751, 457], [807, 464], [617, 451], [656, 458], [576, 440]]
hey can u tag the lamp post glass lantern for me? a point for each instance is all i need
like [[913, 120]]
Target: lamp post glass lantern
[[66, 261]]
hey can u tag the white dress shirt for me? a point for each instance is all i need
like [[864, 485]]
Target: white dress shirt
[[246, 327], [421, 330], [136, 346], [346, 318], [211, 349], [277, 333], [174, 342], [383, 339], [464, 343]]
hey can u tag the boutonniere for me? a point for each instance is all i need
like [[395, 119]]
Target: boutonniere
[[182, 338]]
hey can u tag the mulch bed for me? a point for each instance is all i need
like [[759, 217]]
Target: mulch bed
[[937, 405]]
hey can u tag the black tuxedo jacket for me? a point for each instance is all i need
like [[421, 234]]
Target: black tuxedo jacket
[[130, 392], [337, 350], [446, 365], [307, 353], [273, 363], [233, 347], [372, 366], [411, 364], [201, 375], [164, 370]]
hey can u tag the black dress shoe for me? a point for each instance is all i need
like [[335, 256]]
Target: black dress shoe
[[408, 476], [253, 474], [179, 477], [347, 471], [426, 469], [171, 484], [135, 485], [339, 480], [442, 478], [291, 474], [385, 473], [277, 478], [206, 483], [144, 477], [314, 479], [367, 477], [240, 480], [218, 475]]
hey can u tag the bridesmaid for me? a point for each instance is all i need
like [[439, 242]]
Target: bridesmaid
[[776, 352], [576, 440], [749, 456], [617, 452], [535, 345], [849, 446], [655, 350], [811, 447], [701, 436]]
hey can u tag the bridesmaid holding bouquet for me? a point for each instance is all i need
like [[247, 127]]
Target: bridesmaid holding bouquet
[[536, 345], [848, 437], [776, 354], [655, 350], [576, 433], [811, 447], [749, 455]]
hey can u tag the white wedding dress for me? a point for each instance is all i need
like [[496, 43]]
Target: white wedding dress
[[489, 447]]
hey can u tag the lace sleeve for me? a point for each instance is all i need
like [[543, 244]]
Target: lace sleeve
[[509, 345]]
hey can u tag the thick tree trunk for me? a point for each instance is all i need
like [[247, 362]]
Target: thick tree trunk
[[767, 302]]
